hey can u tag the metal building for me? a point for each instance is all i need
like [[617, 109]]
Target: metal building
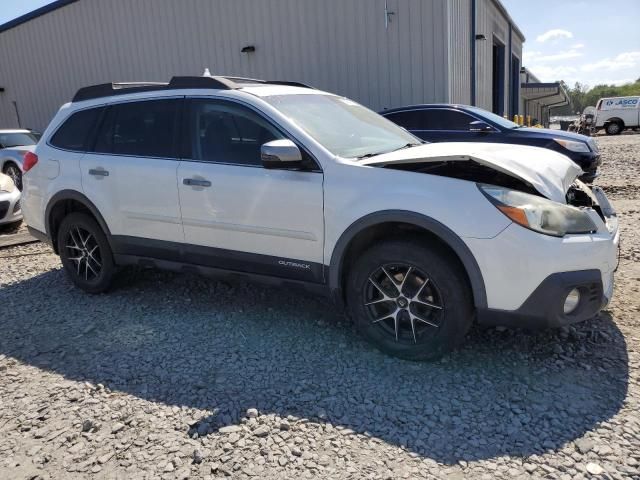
[[382, 53]]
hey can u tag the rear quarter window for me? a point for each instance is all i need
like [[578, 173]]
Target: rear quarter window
[[74, 133]]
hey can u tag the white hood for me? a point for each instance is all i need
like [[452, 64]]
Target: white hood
[[549, 172]]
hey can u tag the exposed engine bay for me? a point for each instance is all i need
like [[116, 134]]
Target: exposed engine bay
[[468, 170], [578, 195]]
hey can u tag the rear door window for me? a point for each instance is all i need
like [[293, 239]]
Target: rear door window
[[75, 131], [141, 129]]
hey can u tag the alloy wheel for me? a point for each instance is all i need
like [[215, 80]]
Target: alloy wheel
[[83, 250], [404, 302]]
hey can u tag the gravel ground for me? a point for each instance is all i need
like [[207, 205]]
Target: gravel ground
[[176, 376]]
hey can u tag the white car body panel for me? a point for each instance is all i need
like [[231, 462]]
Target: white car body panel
[[132, 203], [253, 210]]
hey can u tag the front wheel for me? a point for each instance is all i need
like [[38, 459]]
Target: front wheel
[[410, 300], [85, 253]]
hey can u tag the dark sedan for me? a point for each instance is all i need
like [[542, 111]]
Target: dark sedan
[[462, 123]]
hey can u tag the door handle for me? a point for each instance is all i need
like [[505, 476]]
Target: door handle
[[99, 172], [195, 182]]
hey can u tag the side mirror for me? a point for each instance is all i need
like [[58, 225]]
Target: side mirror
[[480, 126], [280, 154]]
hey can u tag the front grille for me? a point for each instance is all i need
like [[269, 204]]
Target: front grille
[[4, 207], [16, 207]]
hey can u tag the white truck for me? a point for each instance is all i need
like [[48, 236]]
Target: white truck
[[616, 114]]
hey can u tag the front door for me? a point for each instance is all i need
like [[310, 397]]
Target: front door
[[238, 215]]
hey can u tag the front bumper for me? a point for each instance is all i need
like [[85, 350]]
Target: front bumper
[[10, 208], [528, 275], [545, 306]]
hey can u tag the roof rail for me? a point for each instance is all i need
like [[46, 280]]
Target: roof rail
[[213, 82]]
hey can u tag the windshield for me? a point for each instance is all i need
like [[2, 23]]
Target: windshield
[[503, 122], [17, 139], [342, 126]]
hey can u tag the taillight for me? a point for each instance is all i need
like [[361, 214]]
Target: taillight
[[29, 160]]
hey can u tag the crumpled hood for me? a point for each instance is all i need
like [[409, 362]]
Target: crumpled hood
[[549, 172]]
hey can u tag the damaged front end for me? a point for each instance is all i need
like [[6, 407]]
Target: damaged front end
[[534, 189]]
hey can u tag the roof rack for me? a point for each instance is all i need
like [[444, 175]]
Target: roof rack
[[212, 82]]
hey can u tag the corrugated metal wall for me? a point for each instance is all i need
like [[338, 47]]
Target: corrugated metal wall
[[492, 23], [337, 45], [460, 48]]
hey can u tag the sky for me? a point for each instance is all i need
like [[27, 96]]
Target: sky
[[586, 41]]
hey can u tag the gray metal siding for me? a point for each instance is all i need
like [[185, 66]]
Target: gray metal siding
[[337, 45], [492, 23], [460, 51]]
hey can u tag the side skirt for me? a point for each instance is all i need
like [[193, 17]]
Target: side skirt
[[162, 254], [220, 273]]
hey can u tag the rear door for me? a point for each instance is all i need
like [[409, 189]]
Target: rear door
[[238, 215], [130, 173]]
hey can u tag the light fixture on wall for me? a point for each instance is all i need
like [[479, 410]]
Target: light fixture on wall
[[248, 49], [481, 36]]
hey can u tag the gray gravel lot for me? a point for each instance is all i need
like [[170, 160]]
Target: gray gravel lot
[[177, 376]]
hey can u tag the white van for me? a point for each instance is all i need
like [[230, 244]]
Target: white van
[[617, 113]]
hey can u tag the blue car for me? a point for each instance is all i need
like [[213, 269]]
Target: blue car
[[463, 123]]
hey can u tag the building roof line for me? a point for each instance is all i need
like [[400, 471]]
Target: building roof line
[[50, 7], [504, 12]]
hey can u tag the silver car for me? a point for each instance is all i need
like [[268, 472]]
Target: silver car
[[13, 145], [10, 211]]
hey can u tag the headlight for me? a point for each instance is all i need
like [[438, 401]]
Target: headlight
[[537, 213], [572, 145], [6, 184]]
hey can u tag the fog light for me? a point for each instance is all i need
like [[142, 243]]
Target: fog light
[[572, 301]]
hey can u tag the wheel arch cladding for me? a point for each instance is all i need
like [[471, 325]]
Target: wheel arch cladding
[[65, 202], [421, 222]]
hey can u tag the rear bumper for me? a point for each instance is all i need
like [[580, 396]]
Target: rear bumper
[[545, 306]]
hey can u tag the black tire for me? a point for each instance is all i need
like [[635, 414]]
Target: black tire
[[447, 287], [85, 253], [13, 171], [613, 128]]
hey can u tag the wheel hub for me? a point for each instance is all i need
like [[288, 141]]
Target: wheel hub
[[84, 251], [403, 301]]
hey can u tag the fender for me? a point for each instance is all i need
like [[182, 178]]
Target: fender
[[441, 231], [80, 198]]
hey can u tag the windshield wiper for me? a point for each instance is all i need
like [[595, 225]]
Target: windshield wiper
[[408, 145]]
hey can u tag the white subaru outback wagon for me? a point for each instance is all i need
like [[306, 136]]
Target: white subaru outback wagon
[[285, 183]]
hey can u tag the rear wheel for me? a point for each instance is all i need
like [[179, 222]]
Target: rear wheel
[[613, 128], [13, 171], [409, 300], [85, 253]]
